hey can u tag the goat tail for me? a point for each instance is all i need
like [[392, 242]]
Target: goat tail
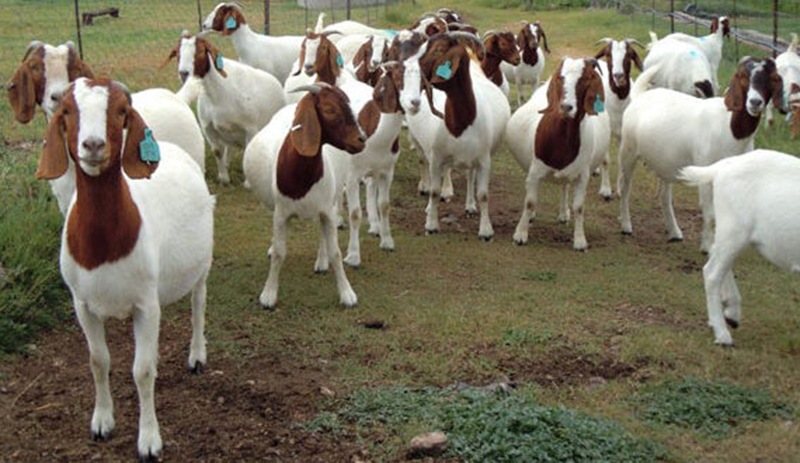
[[697, 175], [644, 82], [653, 40]]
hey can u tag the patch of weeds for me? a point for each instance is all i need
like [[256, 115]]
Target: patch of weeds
[[524, 337], [325, 422], [713, 409], [544, 275], [495, 427]]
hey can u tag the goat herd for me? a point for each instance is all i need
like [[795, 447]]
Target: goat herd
[[318, 114]]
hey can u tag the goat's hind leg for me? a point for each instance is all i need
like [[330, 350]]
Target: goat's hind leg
[[197, 349], [100, 360], [671, 224]]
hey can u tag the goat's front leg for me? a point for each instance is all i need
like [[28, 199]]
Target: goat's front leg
[[579, 237], [373, 216], [605, 178], [353, 257], [434, 197], [269, 295], [146, 321], [484, 167], [223, 162], [627, 164], [100, 360], [528, 209], [470, 205], [671, 224], [384, 184], [347, 297], [563, 205], [197, 349]]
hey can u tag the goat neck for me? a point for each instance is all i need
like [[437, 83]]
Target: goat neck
[[449, 72]]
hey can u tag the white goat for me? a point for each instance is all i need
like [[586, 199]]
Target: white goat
[[669, 130], [566, 138], [756, 202], [788, 64], [681, 66], [319, 61], [129, 246], [290, 173], [471, 128], [273, 54], [710, 45], [532, 43], [48, 71], [236, 102]]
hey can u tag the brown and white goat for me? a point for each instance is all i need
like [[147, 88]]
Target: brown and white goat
[[290, 173], [373, 52], [532, 43], [468, 131], [669, 130], [570, 138], [319, 61], [138, 236], [501, 47]]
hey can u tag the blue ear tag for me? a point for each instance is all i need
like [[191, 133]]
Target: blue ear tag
[[339, 61], [148, 147], [218, 62], [231, 23], [444, 71], [599, 107]]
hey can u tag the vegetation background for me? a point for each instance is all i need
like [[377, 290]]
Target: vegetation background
[[598, 332]]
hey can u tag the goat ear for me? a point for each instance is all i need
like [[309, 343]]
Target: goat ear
[[776, 83], [543, 39], [593, 101], [445, 68], [172, 54], [22, 94], [76, 67], [636, 59], [306, 132], [734, 99], [216, 59], [385, 94], [554, 91], [53, 163], [604, 52], [132, 162], [335, 60]]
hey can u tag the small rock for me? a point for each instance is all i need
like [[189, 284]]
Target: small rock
[[597, 381], [250, 382], [326, 392], [221, 400], [428, 444]]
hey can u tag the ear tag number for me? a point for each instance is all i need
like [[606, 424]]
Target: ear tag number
[[444, 71], [218, 62], [148, 147], [231, 23], [599, 106], [339, 61]]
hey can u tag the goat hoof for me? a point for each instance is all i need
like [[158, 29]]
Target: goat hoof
[[101, 436], [732, 323], [608, 198], [267, 307], [431, 231], [471, 212], [675, 239], [197, 369], [486, 238], [149, 458], [627, 232]]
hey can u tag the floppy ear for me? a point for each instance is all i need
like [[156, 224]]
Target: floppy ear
[[132, 161], [734, 99], [335, 61], [306, 134], [606, 51], [53, 162], [76, 67], [172, 54], [554, 91], [22, 94], [216, 59], [446, 67], [385, 93], [594, 94], [776, 82], [543, 39], [636, 59]]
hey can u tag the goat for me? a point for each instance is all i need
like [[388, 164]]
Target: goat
[[471, 127], [132, 242], [746, 189], [319, 61], [272, 54], [236, 102], [682, 66], [619, 56], [500, 47], [291, 174], [372, 51], [532, 43], [710, 45], [669, 130], [46, 72], [788, 64], [570, 136]]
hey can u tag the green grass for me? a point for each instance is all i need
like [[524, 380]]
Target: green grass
[[455, 309]]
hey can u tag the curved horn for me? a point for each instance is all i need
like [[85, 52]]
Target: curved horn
[[635, 42], [491, 31], [314, 89], [327, 33], [35, 44], [605, 40]]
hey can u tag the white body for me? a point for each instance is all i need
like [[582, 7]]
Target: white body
[[756, 202], [788, 64], [710, 45], [680, 64], [524, 74]]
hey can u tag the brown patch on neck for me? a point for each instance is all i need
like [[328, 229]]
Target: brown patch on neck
[[103, 226], [491, 67], [557, 140], [297, 174], [743, 125], [460, 108], [369, 117]]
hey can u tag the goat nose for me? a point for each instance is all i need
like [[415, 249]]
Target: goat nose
[[94, 145], [756, 102], [55, 97], [618, 75], [184, 75], [415, 103], [566, 107]]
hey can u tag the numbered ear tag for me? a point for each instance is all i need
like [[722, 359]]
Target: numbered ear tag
[[444, 71], [339, 61], [218, 62], [599, 106], [231, 23], [148, 147]]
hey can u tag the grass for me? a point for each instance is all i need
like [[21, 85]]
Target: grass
[[627, 314]]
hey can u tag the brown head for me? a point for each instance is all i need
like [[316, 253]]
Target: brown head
[[405, 45], [575, 89], [42, 78], [445, 56], [502, 45], [225, 19], [318, 55], [723, 21], [97, 128], [620, 56], [429, 24], [196, 56], [752, 86], [324, 116]]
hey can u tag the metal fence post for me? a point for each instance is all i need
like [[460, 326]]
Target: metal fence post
[[266, 17], [78, 27]]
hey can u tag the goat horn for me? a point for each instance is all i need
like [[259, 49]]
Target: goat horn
[[327, 33], [605, 40], [35, 44], [635, 42], [492, 31], [314, 89]]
